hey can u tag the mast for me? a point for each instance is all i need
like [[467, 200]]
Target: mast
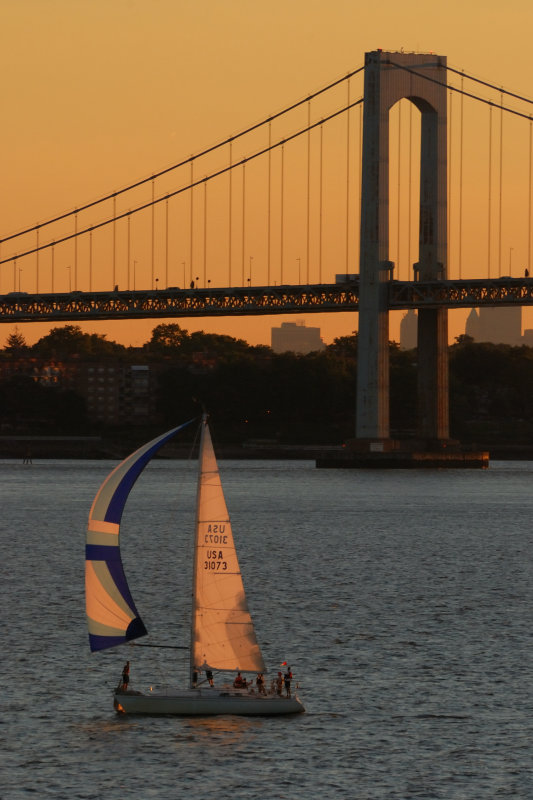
[[195, 547]]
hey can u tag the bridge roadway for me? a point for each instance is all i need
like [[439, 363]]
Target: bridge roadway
[[258, 300]]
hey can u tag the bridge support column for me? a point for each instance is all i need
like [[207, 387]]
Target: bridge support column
[[390, 77], [433, 416], [373, 355]]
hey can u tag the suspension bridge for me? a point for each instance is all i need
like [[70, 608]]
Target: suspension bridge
[[378, 192]]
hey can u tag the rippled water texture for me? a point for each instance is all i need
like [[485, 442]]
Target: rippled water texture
[[401, 599]]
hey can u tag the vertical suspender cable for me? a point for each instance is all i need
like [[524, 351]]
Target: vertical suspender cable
[[115, 241], [52, 269], [321, 201], [501, 191], [90, 261], [191, 223], [153, 234], [398, 190], [347, 175], [269, 199], [529, 265], [450, 176], [205, 233], [360, 197], [230, 175], [128, 257], [76, 250], [14, 274], [281, 213], [308, 187], [37, 261], [461, 182], [410, 203], [243, 216], [166, 243], [490, 191]]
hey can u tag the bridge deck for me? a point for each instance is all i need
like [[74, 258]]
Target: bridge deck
[[260, 300]]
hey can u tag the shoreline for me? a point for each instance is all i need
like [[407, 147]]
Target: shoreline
[[109, 448]]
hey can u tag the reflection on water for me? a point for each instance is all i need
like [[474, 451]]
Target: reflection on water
[[220, 732]]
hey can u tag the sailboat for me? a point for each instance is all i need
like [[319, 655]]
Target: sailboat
[[222, 635]]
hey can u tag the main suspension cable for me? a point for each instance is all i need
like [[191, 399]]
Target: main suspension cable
[[489, 85], [189, 186], [165, 171], [461, 91]]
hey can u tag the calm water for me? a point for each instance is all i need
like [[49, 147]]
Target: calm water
[[402, 600]]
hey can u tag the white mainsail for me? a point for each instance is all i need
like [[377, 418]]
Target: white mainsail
[[222, 635]]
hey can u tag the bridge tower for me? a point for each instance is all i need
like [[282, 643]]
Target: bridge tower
[[420, 78]]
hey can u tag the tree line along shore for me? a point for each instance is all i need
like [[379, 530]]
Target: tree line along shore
[[57, 395]]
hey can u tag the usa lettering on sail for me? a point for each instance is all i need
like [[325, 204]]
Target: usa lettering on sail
[[215, 535]]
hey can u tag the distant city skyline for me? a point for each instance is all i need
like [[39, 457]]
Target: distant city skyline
[[296, 337], [484, 324]]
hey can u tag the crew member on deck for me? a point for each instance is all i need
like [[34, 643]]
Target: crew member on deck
[[126, 676], [209, 676], [260, 683], [287, 678], [239, 682]]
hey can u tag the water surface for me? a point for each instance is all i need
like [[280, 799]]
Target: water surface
[[402, 600]]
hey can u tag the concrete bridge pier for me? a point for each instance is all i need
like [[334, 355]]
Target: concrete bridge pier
[[433, 413], [433, 404], [390, 77]]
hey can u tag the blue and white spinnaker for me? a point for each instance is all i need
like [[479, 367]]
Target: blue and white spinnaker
[[111, 614]]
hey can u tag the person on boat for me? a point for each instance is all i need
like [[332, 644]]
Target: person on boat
[[279, 683], [209, 676], [239, 682], [125, 676], [260, 683], [287, 680]]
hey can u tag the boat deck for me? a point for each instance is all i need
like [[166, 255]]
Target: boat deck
[[205, 701]]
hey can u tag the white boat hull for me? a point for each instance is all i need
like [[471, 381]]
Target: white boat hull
[[205, 702]]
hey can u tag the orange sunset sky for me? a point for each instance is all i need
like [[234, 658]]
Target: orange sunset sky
[[97, 94]]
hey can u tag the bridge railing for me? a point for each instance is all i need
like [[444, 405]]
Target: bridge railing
[[258, 300], [461, 293]]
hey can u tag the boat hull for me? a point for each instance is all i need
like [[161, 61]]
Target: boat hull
[[205, 703]]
